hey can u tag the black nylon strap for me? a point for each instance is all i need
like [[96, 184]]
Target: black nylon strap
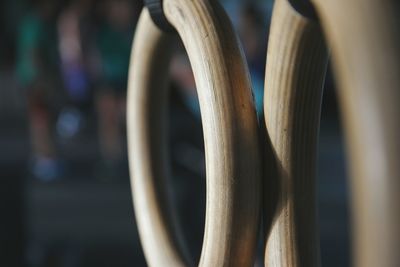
[[155, 8], [305, 8]]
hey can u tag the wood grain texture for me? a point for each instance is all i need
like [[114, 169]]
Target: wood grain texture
[[230, 132], [296, 66], [147, 140], [365, 40]]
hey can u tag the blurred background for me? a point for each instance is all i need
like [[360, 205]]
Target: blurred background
[[64, 183]]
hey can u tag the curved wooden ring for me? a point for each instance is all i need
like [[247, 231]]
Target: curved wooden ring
[[366, 62], [364, 37], [230, 132], [295, 72]]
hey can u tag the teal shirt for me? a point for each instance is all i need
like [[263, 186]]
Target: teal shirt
[[114, 47], [29, 40], [36, 50]]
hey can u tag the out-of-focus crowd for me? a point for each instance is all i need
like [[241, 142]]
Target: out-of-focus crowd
[[70, 58]]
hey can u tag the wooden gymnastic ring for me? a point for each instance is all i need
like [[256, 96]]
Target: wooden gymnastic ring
[[230, 132], [295, 72], [364, 38]]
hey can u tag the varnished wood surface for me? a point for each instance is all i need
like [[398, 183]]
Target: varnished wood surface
[[146, 115], [230, 131], [364, 36], [295, 71], [365, 39]]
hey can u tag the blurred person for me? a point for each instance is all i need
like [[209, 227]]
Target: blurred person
[[114, 40], [36, 70], [75, 38], [253, 34]]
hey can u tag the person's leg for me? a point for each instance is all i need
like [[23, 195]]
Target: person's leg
[[109, 132], [39, 119], [45, 165]]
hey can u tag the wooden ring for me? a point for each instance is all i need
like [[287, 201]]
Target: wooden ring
[[366, 62], [295, 72], [230, 132], [365, 57]]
